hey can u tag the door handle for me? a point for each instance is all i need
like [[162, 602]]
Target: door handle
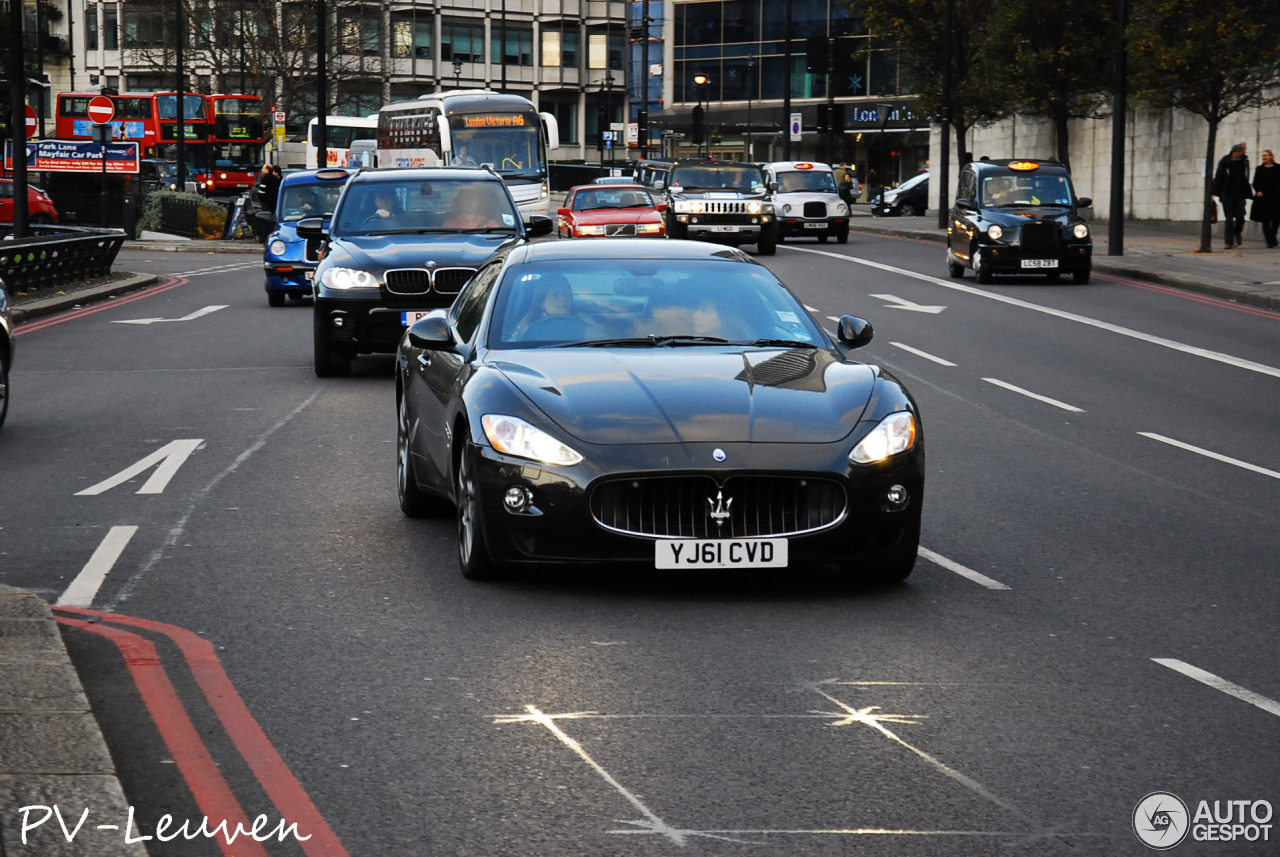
[[424, 360]]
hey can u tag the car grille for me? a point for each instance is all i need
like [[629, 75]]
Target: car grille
[[682, 506], [711, 206], [419, 281], [620, 229], [815, 209], [1041, 239]]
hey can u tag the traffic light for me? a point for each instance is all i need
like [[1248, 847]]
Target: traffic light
[[699, 131], [815, 57]]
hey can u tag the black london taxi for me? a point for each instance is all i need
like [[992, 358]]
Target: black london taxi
[[1018, 217]]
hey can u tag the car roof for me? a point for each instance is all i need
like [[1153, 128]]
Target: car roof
[[393, 174], [315, 177], [625, 248], [1004, 164], [630, 185], [815, 166]]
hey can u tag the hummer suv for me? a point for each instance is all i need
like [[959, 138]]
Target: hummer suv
[[721, 201]]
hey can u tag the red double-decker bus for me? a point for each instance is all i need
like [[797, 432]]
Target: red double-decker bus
[[135, 119], [236, 138]]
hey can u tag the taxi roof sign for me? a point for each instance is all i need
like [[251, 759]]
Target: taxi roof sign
[[331, 173], [1024, 165], [804, 166]]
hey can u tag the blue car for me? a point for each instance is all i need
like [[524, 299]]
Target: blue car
[[289, 261]]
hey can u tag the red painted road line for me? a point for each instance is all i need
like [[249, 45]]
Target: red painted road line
[[1192, 296], [32, 326], [284, 790], [210, 790]]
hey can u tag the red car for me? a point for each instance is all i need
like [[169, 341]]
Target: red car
[[39, 206], [612, 211]]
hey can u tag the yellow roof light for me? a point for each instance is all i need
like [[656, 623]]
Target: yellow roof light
[[1024, 165]]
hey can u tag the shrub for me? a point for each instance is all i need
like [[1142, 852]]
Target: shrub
[[210, 220]]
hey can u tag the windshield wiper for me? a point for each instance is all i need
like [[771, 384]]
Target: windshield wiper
[[653, 341], [786, 343]]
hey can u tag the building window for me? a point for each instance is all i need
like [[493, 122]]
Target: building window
[[411, 37], [604, 50], [560, 48], [519, 46], [91, 28], [111, 28], [462, 42], [566, 113], [143, 28], [358, 34], [551, 48]]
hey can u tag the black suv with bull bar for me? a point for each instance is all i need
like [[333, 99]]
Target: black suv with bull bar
[[721, 201]]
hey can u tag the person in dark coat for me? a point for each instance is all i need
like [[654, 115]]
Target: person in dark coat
[[270, 189], [1266, 196], [1231, 186]]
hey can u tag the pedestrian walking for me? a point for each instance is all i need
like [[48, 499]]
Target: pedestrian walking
[[270, 188], [1231, 187], [1266, 196]]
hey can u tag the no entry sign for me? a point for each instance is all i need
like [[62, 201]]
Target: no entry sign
[[31, 122], [101, 109]]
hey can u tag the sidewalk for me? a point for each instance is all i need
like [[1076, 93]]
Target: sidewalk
[[1155, 251]]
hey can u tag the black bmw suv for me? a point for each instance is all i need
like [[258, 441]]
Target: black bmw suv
[[402, 242], [721, 201], [1018, 217]]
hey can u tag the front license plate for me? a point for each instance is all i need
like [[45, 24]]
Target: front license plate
[[408, 318], [720, 553], [1039, 263], [815, 226], [724, 229]]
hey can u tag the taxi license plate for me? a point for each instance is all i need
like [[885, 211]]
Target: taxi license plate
[[815, 226], [1039, 263], [724, 229], [408, 318], [720, 553]]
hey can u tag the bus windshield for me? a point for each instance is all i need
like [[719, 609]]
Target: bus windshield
[[509, 141], [167, 105], [236, 156]]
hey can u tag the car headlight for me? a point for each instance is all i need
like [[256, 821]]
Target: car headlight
[[753, 207], [648, 228], [895, 433], [514, 436], [994, 232], [682, 207], [696, 207], [591, 230], [841, 208], [1080, 231], [786, 208], [224, 175], [278, 247], [348, 278]]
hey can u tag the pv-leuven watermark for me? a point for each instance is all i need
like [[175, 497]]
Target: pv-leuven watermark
[[1162, 820], [167, 828]]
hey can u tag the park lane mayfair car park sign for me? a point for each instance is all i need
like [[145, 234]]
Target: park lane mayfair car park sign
[[69, 156]]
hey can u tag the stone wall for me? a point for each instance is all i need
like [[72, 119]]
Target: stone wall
[[1164, 155]]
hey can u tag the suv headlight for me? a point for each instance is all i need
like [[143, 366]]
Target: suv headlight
[[696, 207], [894, 434], [753, 207], [994, 232], [1080, 230], [514, 436], [682, 206], [348, 278]]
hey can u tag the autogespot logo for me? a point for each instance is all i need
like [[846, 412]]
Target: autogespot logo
[[1160, 819]]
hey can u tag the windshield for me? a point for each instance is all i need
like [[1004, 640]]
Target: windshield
[[410, 206], [741, 179], [646, 302], [512, 142], [799, 181], [241, 157], [1023, 189], [309, 200], [587, 200], [167, 107]]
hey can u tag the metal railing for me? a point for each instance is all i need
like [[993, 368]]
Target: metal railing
[[180, 217], [58, 254]]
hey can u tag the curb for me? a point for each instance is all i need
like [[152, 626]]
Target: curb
[[1115, 265], [52, 752], [47, 306]]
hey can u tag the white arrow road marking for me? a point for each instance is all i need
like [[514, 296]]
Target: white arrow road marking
[[902, 303], [926, 355], [1214, 455], [1262, 368], [169, 457], [188, 317], [1035, 396], [1229, 688], [951, 565], [82, 590]]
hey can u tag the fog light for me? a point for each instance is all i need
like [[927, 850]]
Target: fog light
[[897, 496], [337, 321], [517, 498]]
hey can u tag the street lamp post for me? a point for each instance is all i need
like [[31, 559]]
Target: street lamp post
[[457, 74], [751, 83], [607, 86], [700, 82]]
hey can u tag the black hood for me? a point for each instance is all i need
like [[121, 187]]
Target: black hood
[[376, 253], [693, 395], [1019, 215]]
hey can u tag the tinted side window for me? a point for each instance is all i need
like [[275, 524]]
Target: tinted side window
[[468, 308]]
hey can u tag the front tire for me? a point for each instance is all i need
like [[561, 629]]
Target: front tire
[[768, 243], [909, 209], [473, 555], [329, 362], [414, 502], [1082, 277], [676, 229], [981, 270], [893, 567], [842, 237], [4, 389], [274, 298]]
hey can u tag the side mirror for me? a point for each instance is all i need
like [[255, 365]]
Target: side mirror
[[563, 212], [431, 332], [1084, 202], [854, 332], [266, 218], [312, 227], [773, 187], [539, 224], [662, 206], [967, 202]]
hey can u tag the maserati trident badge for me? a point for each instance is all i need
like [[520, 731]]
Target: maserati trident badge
[[719, 508], [718, 454]]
